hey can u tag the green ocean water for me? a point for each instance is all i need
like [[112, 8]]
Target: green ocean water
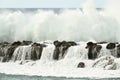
[[22, 77]]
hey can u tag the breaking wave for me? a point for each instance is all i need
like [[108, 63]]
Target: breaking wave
[[66, 24]]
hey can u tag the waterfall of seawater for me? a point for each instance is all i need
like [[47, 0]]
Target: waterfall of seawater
[[22, 53], [47, 54], [66, 24], [73, 55]]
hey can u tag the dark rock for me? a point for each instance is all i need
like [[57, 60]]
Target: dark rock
[[118, 50], [57, 49], [81, 65], [8, 50], [72, 43], [61, 48], [98, 48], [37, 51], [36, 44], [89, 44], [57, 43], [26, 42], [65, 45], [56, 53], [17, 43], [111, 46], [93, 50]]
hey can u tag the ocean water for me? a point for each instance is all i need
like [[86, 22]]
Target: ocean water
[[22, 77], [61, 24], [80, 25]]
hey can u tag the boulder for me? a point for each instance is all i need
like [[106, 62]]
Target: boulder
[[111, 46], [93, 50], [81, 65]]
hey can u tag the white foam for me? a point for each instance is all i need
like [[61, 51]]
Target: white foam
[[68, 24], [66, 67], [51, 69]]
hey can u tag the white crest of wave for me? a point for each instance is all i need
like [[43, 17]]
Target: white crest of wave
[[68, 24]]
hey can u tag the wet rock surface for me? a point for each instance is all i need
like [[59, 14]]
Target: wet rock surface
[[26, 51], [61, 48], [81, 65]]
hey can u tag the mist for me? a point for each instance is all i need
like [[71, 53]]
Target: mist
[[68, 24]]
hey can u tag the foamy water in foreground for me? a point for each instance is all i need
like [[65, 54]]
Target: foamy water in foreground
[[66, 67], [50, 70]]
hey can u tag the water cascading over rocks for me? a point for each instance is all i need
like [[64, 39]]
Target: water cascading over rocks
[[7, 49], [29, 52], [88, 25], [103, 54], [61, 49], [93, 50]]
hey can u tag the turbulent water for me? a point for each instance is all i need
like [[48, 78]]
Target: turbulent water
[[47, 25], [61, 24], [106, 65], [18, 77]]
